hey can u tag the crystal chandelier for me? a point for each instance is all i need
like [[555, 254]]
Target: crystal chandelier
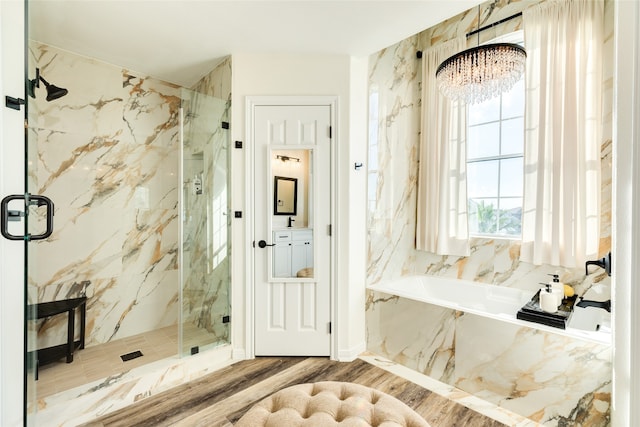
[[482, 72]]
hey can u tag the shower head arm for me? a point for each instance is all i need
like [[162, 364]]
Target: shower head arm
[[46, 83]]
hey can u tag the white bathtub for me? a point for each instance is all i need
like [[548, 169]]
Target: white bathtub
[[471, 297], [496, 302]]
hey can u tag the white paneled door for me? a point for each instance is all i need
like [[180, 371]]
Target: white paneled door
[[292, 307]]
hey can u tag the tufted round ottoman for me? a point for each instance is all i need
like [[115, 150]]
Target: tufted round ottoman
[[305, 272], [330, 404]]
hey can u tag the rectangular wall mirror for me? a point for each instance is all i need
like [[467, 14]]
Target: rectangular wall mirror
[[293, 207], [285, 196]]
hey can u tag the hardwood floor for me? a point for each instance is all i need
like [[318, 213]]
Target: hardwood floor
[[221, 398]]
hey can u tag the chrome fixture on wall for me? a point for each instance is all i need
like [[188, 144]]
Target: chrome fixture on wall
[[53, 92]]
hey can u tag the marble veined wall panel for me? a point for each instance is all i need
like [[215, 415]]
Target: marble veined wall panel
[[393, 162], [394, 90], [107, 155], [417, 335], [551, 379], [218, 82]]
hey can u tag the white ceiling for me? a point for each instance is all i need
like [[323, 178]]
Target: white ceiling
[[182, 40]]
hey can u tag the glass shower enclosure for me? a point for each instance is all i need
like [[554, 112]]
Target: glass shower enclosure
[[204, 225]]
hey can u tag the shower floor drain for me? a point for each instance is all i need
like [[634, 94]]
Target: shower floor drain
[[132, 355]]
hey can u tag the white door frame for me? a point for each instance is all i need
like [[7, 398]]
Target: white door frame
[[251, 103], [12, 74], [626, 218]]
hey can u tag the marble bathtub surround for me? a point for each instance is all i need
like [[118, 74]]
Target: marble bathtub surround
[[540, 375], [502, 303], [436, 347]]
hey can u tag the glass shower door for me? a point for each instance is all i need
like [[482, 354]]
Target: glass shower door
[[204, 234]]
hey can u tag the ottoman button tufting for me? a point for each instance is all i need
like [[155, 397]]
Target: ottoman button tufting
[[330, 403]]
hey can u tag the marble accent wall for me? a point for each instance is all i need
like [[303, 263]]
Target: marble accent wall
[[531, 372], [218, 82], [552, 379], [107, 155]]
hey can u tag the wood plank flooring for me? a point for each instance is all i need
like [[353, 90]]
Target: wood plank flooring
[[221, 398]]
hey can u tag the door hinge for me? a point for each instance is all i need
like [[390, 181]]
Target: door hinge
[[329, 230], [329, 327]]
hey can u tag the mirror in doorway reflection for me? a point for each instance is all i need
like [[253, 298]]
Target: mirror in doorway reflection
[[292, 219], [285, 197]]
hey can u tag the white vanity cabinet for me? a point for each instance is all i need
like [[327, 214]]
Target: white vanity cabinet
[[292, 252]]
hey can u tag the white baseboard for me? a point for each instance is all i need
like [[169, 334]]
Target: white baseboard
[[238, 354], [351, 354]]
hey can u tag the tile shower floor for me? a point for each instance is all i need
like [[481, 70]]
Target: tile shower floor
[[100, 361]]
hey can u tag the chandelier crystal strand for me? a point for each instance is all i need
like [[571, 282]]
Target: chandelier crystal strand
[[482, 72]]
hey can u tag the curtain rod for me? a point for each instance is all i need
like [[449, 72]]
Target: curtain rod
[[508, 18], [474, 32]]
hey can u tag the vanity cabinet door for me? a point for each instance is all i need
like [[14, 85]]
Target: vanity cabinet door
[[282, 260], [282, 254], [302, 250], [298, 257]]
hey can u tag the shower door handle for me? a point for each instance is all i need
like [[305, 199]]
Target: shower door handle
[[7, 215]]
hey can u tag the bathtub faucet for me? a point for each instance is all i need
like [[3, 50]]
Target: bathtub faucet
[[604, 263]]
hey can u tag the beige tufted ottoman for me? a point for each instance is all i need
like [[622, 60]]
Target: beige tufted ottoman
[[305, 272], [330, 404]]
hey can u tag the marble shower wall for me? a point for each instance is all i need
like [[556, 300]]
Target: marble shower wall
[[443, 343], [107, 155], [218, 83]]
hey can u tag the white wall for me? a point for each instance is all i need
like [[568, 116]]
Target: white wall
[[356, 199], [626, 218], [299, 75], [11, 182]]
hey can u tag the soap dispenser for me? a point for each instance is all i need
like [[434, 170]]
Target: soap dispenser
[[557, 288], [548, 300]]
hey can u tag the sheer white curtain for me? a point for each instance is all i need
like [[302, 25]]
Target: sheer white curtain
[[442, 189], [561, 208]]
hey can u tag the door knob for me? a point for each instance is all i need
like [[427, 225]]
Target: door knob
[[264, 244]]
